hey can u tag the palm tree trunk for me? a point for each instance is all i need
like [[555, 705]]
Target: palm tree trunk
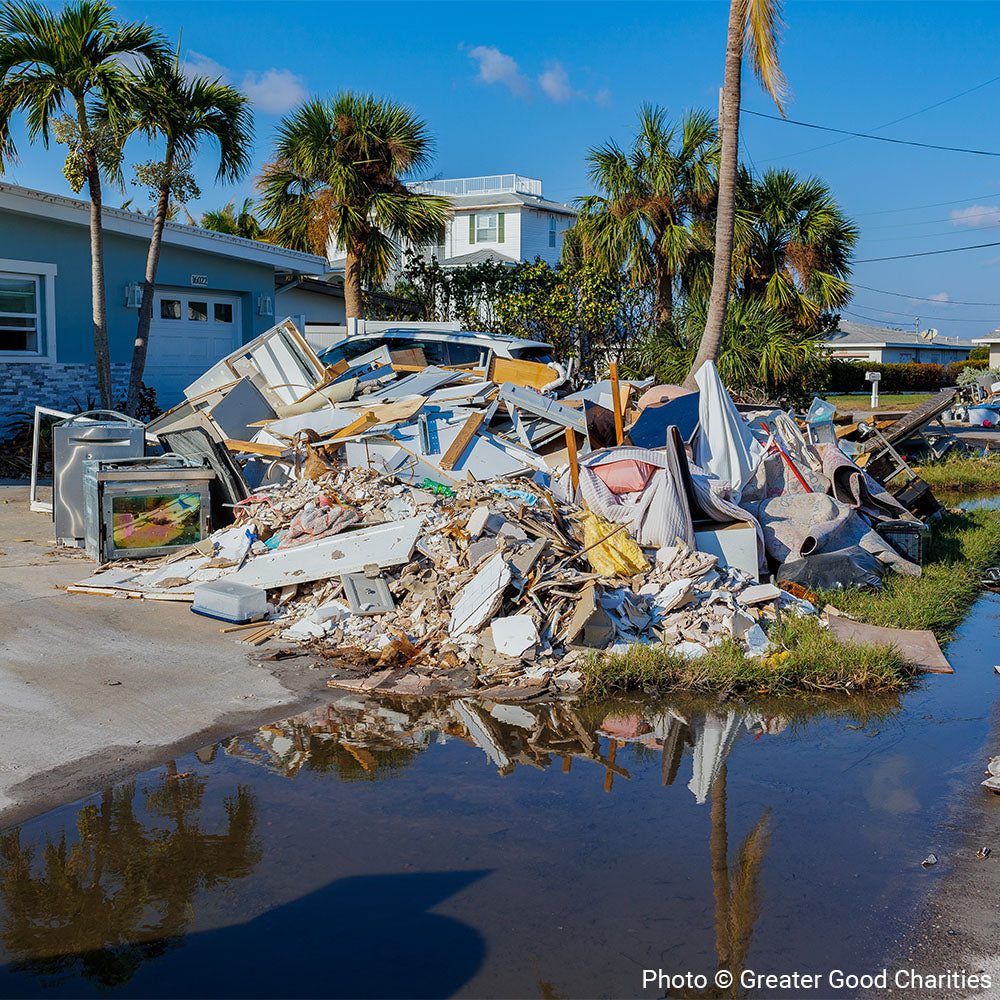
[[148, 290], [352, 285], [102, 357], [719, 850], [729, 135]]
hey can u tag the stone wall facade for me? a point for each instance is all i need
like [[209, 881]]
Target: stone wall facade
[[60, 386]]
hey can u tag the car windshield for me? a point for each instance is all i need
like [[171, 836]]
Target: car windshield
[[541, 354], [348, 350]]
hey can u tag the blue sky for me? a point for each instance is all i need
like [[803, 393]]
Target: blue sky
[[527, 87]]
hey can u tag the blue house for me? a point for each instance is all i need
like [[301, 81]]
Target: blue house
[[213, 293]]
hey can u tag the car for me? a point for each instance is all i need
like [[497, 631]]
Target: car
[[441, 347]]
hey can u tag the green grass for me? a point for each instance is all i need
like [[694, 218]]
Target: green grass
[[961, 546], [961, 472], [890, 401], [815, 663]]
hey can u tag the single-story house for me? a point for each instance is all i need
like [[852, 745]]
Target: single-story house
[[993, 343], [213, 293], [861, 342]]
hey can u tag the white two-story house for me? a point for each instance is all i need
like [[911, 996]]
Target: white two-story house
[[501, 217]]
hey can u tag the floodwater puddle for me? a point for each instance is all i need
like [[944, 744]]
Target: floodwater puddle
[[469, 848]]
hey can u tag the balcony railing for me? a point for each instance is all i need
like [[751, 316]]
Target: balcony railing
[[492, 184]]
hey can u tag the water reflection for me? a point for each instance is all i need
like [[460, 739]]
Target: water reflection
[[124, 888], [101, 903]]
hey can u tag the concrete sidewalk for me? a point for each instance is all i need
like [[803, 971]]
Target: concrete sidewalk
[[94, 689]]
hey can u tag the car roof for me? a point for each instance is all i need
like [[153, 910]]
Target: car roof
[[454, 336]]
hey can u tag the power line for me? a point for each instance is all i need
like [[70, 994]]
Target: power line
[[936, 204], [867, 135], [896, 121], [927, 253], [921, 298], [912, 314]]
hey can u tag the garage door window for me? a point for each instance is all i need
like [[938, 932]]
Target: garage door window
[[170, 308], [19, 313], [223, 312], [198, 311]]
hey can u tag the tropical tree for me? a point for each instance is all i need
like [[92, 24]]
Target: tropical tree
[[162, 104], [653, 215], [71, 60], [338, 176], [755, 24], [235, 221], [792, 246]]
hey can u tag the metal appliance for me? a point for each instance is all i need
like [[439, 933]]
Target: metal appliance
[[142, 507], [87, 436]]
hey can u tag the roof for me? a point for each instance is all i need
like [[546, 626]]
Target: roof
[[76, 211], [508, 199], [477, 257], [993, 338], [862, 335]]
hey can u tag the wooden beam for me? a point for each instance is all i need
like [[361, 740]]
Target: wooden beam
[[268, 450], [527, 374], [363, 422], [574, 463], [616, 402], [456, 449]]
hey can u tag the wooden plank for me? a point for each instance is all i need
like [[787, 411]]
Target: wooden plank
[[616, 402], [527, 374], [457, 448], [269, 450]]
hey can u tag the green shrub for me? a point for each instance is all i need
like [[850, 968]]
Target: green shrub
[[849, 376]]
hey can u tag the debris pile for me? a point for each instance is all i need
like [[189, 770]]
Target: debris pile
[[429, 527]]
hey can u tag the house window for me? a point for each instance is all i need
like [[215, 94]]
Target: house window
[[170, 308], [223, 312], [486, 228], [19, 313], [552, 231], [198, 312]]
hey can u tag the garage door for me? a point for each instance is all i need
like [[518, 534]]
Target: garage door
[[189, 333]]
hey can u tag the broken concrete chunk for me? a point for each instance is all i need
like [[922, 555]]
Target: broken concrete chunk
[[477, 522], [758, 593]]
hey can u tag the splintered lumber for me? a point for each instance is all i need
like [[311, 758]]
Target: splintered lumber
[[268, 450], [457, 448], [527, 374]]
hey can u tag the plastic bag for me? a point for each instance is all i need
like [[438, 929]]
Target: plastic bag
[[838, 569], [618, 555]]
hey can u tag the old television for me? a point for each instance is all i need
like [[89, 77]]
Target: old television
[[145, 507]]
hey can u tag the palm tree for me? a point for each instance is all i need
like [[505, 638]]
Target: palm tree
[[50, 61], [653, 215], [792, 245], [235, 222], [759, 23], [338, 174], [163, 104]]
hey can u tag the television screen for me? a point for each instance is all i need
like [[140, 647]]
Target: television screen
[[155, 519]]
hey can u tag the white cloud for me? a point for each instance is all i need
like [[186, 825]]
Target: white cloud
[[555, 83], [976, 216], [603, 98], [498, 67], [940, 297], [275, 91], [198, 64]]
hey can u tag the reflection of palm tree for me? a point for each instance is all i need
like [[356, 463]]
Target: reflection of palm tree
[[122, 892]]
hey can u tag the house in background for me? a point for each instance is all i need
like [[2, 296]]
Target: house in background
[[993, 343], [860, 342], [214, 292], [500, 217]]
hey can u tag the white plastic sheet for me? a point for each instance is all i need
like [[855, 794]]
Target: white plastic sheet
[[723, 445]]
